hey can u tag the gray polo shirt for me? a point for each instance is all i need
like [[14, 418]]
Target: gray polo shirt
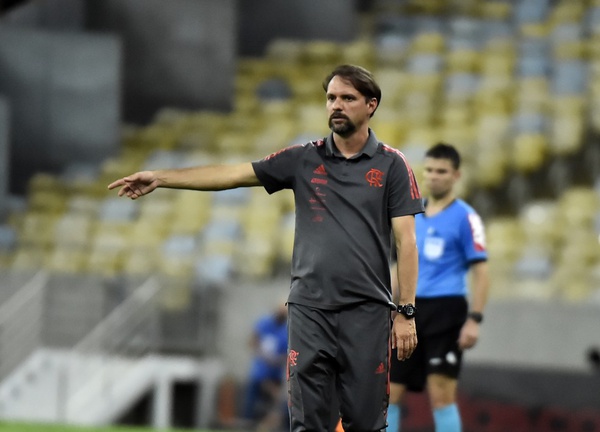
[[344, 209]]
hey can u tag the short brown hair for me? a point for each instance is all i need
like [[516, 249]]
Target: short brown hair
[[361, 79]]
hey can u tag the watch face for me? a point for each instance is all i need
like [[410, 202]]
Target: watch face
[[408, 310]]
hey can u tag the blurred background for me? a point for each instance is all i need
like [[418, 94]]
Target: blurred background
[[140, 312]]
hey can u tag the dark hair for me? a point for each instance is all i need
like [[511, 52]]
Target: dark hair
[[445, 151], [361, 79]]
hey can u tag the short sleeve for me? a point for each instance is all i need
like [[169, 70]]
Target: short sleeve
[[405, 196], [277, 171]]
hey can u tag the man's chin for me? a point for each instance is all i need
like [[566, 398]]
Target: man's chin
[[342, 131]]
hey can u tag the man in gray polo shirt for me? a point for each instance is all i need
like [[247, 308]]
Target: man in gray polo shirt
[[351, 192]]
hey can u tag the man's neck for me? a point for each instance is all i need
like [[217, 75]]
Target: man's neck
[[436, 205], [351, 145]]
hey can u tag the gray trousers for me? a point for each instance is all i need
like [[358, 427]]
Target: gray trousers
[[341, 353]]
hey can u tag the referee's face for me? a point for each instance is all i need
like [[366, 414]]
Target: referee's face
[[439, 177], [347, 108]]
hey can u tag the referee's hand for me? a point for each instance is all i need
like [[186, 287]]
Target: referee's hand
[[404, 336]]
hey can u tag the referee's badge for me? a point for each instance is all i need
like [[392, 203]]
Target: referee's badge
[[433, 247]]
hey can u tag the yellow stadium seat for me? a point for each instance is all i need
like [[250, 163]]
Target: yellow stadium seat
[[497, 64], [463, 60], [323, 54], [393, 82], [428, 42], [286, 51], [566, 11], [540, 223], [570, 50], [566, 134], [529, 151], [495, 10], [50, 201], [534, 29], [360, 52], [572, 282], [578, 208], [37, 229], [491, 129], [491, 167], [504, 238], [73, 230]]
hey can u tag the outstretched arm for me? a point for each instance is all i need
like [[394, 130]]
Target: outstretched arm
[[202, 178]]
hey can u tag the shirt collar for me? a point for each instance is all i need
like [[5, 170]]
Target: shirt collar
[[369, 149]]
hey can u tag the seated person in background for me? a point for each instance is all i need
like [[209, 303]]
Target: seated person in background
[[267, 371]]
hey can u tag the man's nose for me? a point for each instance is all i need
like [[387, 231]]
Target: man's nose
[[336, 104]]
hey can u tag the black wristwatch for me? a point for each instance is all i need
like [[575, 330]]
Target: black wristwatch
[[476, 316], [408, 310]]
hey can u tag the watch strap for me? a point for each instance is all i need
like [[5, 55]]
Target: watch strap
[[476, 316]]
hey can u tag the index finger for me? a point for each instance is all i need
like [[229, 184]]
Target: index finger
[[116, 183]]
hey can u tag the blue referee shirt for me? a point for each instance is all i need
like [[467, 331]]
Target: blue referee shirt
[[449, 242]]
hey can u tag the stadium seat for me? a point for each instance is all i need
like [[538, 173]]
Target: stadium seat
[[428, 43], [116, 209], [529, 151], [532, 94], [360, 51], [37, 228], [579, 206], [507, 228], [491, 168], [529, 122], [566, 12], [531, 12], [214, 268], [321, 52], [83, 204], [287, 51], [48, 201], [540, 223], [496, 11], [73, 230]]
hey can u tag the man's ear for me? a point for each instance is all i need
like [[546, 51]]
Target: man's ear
[[373, 105], [457, 174]]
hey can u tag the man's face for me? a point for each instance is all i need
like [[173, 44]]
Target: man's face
[[347, 108], [439, 176]]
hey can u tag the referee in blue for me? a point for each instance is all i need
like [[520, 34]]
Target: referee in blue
[[351, 193], [451, 244]]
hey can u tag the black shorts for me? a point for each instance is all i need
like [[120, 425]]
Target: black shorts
[[341, 353], [439, 321]]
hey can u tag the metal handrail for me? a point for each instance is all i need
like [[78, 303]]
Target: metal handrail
[[129, 331]]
